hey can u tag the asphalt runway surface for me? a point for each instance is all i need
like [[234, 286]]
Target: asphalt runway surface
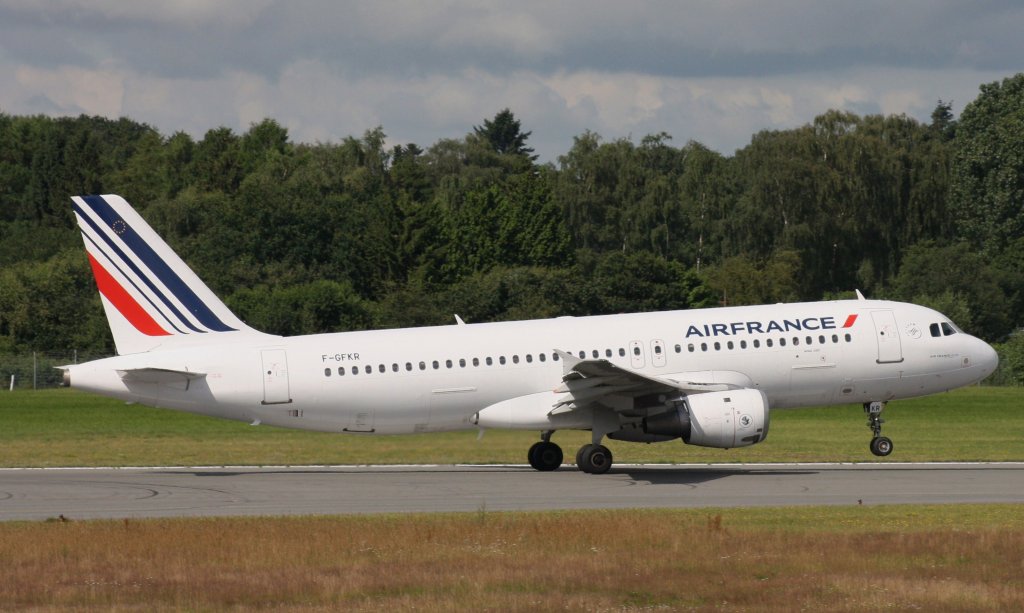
[[87, 493]]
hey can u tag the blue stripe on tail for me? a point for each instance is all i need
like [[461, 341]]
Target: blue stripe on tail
[[155, 263]]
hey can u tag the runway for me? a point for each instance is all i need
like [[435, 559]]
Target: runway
[[37, 494]]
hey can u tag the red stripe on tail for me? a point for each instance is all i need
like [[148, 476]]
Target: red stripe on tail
[[124, 302]]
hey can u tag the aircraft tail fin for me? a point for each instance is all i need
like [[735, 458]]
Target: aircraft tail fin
[[152, 299]]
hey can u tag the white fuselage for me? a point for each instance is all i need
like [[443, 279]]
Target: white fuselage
[[438, 378]]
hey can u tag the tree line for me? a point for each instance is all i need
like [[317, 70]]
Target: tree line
[[305, 238]]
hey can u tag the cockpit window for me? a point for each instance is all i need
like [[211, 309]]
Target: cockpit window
[[947, 329], [934, 329]]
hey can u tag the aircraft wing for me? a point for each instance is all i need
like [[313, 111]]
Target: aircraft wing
[[586, 382]]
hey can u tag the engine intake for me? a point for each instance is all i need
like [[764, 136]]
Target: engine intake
[[736, 418]]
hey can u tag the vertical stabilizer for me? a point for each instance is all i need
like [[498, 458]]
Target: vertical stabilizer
[[152, 299]]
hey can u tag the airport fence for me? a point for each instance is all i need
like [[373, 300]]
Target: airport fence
[[38, 369]]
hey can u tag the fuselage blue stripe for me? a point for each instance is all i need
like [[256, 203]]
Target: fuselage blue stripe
[[156, 264], [128, 262], [130, 280]]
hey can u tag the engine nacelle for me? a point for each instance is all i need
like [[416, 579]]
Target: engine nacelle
[[735, 418]]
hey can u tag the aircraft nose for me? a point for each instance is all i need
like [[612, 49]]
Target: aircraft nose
[[988, 359]]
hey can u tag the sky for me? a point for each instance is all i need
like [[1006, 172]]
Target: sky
[[716, 72]]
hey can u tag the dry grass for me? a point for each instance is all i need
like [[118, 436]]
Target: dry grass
[[949, 559]]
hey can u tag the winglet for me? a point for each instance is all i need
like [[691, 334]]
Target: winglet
[[458, 320], [860, 296]]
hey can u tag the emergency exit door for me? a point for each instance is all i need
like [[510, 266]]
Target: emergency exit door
[[275, 377]]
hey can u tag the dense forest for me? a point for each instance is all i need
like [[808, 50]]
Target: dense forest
[[303, 238]]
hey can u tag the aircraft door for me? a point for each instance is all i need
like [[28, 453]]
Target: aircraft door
[[275, 377], [636, 354], [887, 334], [658, 357]]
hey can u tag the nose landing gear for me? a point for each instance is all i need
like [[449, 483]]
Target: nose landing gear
[[880, 445]]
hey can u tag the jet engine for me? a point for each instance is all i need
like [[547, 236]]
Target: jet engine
[[735, 418]]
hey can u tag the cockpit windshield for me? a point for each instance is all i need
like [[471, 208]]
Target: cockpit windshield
[[944, 328]]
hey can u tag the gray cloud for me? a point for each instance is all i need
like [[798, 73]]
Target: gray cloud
[[711, 71]]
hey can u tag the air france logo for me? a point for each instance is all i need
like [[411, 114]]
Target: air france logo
[[746, 420], [807, 324]]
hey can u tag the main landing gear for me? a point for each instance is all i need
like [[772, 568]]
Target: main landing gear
[[546, 456], [880, 445]]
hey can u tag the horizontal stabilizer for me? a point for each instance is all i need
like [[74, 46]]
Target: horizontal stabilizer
[[160, 376]]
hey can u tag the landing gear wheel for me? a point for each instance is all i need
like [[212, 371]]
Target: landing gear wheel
[[579, 455], [594, 459], [545, 456], [881, 446]]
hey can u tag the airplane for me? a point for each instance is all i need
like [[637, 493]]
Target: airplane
[[709, 377]]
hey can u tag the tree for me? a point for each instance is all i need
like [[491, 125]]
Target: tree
[[504, 135], [987, 192]]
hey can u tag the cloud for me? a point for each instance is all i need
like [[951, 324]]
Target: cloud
[[716, 72]]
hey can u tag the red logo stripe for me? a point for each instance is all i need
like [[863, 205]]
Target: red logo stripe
[[124, 302], [850, 320]]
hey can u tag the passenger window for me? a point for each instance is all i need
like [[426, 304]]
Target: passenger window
[[462, 362], [703, 346], [835, 338], [636, 351], [501, 359], [757, 344], [583, 355], [796, 341], [934, 329], [341, 371], [327, 372], [435, 364], [369, 369], [408, 365], [947, 329], [821, 339], [394, 367], [423, 365], [542, 356], [476, 361], [718, 346], [782, 342], [810, 341], [848, 338], [448, 363], [743, 344], [679, 348], [355, 370], [515, 359], [689, 347], [382, 368], [529, 359], [657, 350], [622, 352], [729, 345], [489, 361], [554, 357], [768, 343]]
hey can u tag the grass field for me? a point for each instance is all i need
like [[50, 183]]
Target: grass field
[[947, 558], [69, 428]]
